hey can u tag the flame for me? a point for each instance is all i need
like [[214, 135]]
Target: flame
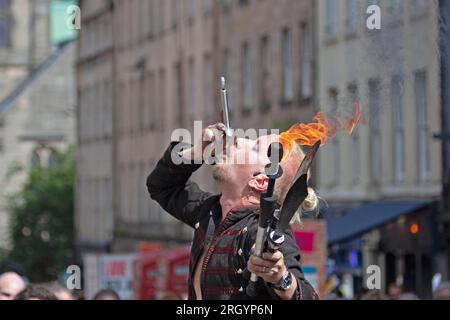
[[324, 128], [357, 118]]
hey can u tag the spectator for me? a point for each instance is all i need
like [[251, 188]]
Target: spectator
[[408, 296], [60, 292], [36, 292], [106, 294], [395, 291], [443, 291], [10, 285], [374, 295]]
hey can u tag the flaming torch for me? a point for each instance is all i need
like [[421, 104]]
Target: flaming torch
[[324, 128]]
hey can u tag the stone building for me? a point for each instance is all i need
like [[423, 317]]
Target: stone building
[[146, 68], [37, 95], [391, 165]]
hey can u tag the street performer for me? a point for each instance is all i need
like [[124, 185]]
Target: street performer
[[226, 223]]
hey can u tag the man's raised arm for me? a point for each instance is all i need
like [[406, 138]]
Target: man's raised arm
[[169, 184]]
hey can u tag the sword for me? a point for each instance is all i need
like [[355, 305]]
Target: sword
[[267, 203], [294, 198], [225, 110]]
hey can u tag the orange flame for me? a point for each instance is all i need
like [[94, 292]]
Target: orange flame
[[322, 129]]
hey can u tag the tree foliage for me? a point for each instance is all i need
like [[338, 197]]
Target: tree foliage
[[42, 214]]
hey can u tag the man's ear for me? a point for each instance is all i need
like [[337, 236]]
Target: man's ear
[[259, 182]]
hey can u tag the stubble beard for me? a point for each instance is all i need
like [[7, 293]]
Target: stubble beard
[[221, 173]]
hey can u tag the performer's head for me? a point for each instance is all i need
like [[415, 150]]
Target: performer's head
[[242, 170]]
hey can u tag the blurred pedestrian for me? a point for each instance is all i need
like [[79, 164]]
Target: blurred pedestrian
[[169, 295], [443, 291], [60, 292], [408, 296], [374, 295], [35, 292], [10, 285], [106, 294], [395, 291]]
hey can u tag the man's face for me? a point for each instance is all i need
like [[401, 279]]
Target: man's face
[[247, 158], [244, 159], [395, 291], [10, 286]]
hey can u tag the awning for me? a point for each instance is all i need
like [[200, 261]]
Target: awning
[[367, 217]]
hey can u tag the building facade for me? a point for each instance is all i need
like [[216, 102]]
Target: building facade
[[394, 72], [153, 66], [37, 96]]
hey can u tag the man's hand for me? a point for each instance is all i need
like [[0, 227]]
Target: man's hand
[[271, 268], [209, 136]]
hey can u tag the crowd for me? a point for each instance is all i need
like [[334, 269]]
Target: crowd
[[394, 292], [15, 287]]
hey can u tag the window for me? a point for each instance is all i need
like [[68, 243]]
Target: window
[[143, 19], [4, 4], [52, 158], [247, 90], [151, 102], [356, 149], [307, 62], [176, 12], [287, 75], [352, 15], [396, 7], [207, 6], [103, 108], [375, 133], [264, 87], [134, 110], [110, 109], [227, 73], [333, 102], [161, 98], [151, 25], [5, 29], [420, 89], [209, 85], [35, 159], [179, 93], [192, 90], [192, 9], [331, 17], [398, 129], [158, 16], [419, 4], [226, 4]]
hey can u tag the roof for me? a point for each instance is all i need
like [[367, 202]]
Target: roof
[[367, 217], [7, 103]]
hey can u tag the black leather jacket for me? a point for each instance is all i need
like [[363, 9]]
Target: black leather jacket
[[228, 242]]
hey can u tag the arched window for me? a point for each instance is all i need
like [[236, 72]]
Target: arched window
[[36, 159], [52, 158]]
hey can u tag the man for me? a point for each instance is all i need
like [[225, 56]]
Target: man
[[35, 292], [106, 294], [10, 285], [60, 292], [443, 291], [395, 291], [225, 224]]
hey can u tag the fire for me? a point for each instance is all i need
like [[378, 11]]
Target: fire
[[324, 128]]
